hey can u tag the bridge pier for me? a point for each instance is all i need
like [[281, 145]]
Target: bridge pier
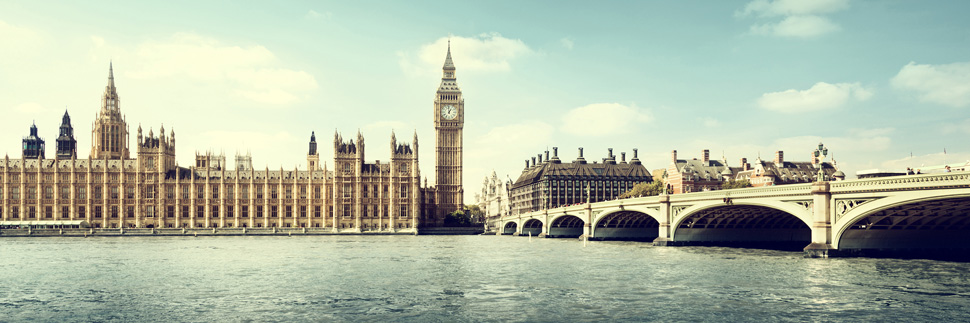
[[663, 235], [821, 222]]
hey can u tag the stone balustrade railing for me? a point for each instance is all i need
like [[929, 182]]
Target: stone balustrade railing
[[904, 182]]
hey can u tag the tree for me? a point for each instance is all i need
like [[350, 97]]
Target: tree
[[457, 219], [644, 189], [731, 184], [475, 213]]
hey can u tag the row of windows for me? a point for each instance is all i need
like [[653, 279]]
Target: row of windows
[[169, 212]]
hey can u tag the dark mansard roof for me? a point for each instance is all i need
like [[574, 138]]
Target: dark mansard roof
[[577, 170]]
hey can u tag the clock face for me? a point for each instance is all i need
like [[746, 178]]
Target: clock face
[[449, 112]]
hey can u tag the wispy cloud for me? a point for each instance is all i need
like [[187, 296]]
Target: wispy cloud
[[313, 14], [18, 40], [765, 8], [603, 119], [946, 84], [957, 127], [488, 52], [802, 19], [251, 72], [821, 96], [567, 43]]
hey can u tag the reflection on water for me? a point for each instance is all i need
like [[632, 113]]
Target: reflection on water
[[458, 278]]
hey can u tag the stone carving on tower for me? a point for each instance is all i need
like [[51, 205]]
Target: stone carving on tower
[[66, 144], [449, 119], [156, 153], [109, 133]]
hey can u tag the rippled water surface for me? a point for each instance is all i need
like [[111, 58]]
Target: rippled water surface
[[458, 278]]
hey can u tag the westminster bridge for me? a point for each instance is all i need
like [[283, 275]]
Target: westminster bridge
[[913, 212]]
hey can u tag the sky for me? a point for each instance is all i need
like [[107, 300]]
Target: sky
[[882, 84]]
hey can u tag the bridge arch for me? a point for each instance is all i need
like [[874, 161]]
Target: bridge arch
[[510, 227], [906, 221], [565, 226], [621, 224], [531, 226], [760, 224]]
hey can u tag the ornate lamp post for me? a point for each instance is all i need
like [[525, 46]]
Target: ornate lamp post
[[820, 155]]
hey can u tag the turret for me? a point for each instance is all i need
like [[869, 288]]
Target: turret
[[33, 145], [312, 159], [66, 144]]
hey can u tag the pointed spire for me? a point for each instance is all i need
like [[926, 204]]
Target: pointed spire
[[111, 75], [449, 65]]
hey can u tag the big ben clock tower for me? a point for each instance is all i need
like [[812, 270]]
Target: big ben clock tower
[[449, 118]]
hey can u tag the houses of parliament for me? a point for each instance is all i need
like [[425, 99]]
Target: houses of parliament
[[141, 186]]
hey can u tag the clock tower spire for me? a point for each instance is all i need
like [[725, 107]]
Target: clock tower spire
[[449, 119]]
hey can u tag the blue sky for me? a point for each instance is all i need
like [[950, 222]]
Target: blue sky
[[875, 81]]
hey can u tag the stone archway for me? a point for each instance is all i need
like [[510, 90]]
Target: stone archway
[[936, 227], [626, 225], [755, 226], [510, 228], [531, 227], [566, 226]]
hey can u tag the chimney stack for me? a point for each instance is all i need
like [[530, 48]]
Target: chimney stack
[[707, 156], [540, 158], [623, 157], [744, 164], [526, 163], [779, 157], [580, 159], [547, 155], [555, 151], [533, 161], [673, 157]]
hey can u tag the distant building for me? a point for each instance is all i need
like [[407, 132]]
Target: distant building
[[112, 189], [551, 183], [494, 198], [705, 174], [875, 173], [696, 175], [781, 172]]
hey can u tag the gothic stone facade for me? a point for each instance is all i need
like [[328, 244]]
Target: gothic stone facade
[[112, 190]]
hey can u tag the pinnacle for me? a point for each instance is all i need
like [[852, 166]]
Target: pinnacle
[[449, 65]]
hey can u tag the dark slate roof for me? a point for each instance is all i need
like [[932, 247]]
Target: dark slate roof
[[602, 171]]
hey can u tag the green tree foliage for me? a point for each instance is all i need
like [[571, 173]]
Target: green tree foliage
[[475, 213], [644, 189], [457, 219], [735, 184]]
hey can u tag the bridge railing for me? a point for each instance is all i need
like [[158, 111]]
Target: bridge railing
[[764, 191], [902, 182]]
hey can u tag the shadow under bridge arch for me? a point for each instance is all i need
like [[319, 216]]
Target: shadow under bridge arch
[[626, 225], [566, 226], [752, 226], [933, 228], [510, 228], [531, 227]]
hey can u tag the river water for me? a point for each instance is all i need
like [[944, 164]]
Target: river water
[[458, 279]]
